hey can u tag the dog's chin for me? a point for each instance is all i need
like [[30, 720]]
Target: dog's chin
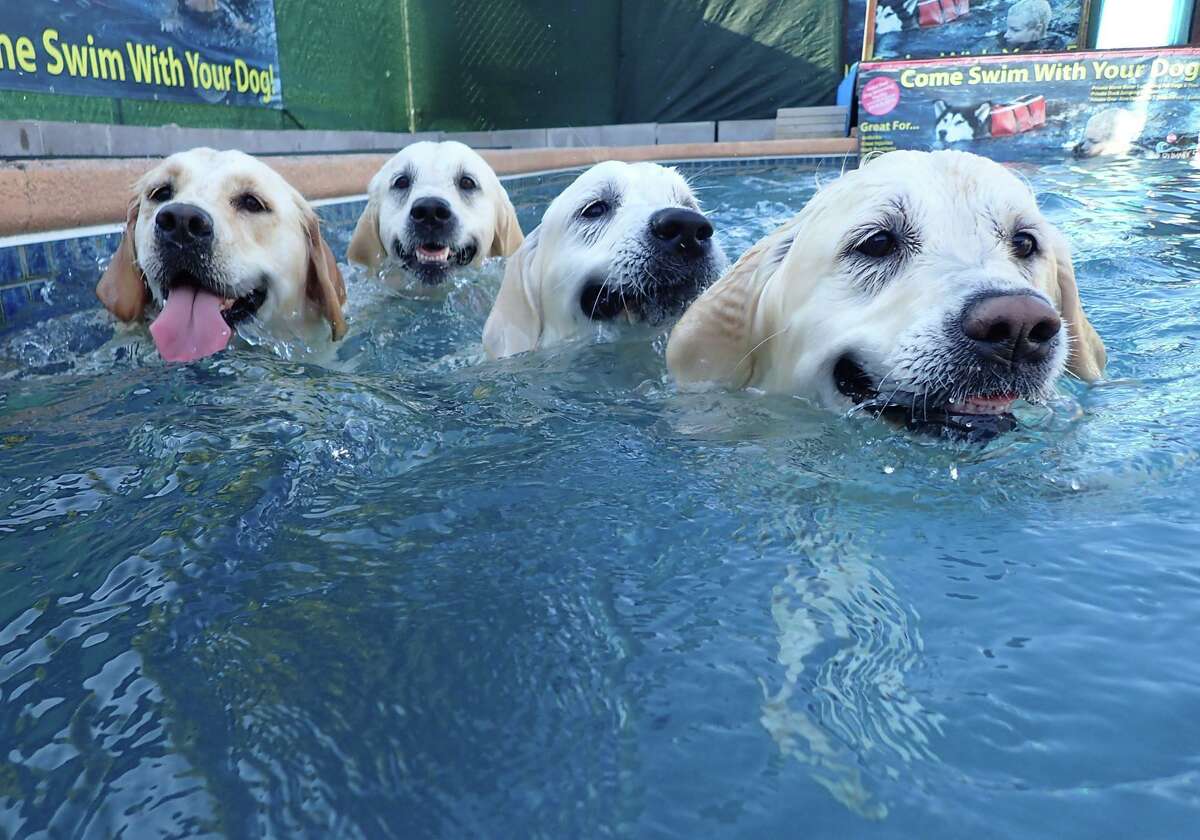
[[432, 262], [653, 297], [974, 417]]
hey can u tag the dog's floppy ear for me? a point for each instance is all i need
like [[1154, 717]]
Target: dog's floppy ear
[[324, 285], [507, 237], [366, 246], [515, 322], [982, 112], [122, 288], [714, 340], [939, 108], [1088, 355]]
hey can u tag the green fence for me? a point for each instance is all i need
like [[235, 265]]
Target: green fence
[[412, 65]]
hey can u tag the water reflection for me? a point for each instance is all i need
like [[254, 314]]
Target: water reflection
[[846, 643]]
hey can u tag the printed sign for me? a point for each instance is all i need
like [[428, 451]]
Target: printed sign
[[942, 28], [214, 51], [1036, 108]]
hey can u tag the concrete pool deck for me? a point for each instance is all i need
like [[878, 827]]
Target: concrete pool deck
[[43, 195]]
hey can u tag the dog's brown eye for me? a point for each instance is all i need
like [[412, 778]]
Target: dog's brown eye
[[1024, 245], [250, 203], [467, 183], [878, 245], [162, 193], [402, 183], [594, 210]]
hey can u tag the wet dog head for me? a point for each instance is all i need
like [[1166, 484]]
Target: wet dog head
[[1112, 131], [924, 285], [212, 239], [434, 207], [624, 243]]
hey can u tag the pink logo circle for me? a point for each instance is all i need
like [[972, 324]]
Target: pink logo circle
[[1172, 137], [879, 96]]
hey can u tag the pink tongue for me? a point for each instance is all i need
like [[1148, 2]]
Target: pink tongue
[[190, 325]]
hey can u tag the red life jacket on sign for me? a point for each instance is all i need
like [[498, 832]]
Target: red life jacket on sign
[[937, 12], [1020, 116]]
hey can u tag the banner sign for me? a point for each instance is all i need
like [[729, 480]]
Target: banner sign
[[1037, 107], [942, 28], [212, 51]]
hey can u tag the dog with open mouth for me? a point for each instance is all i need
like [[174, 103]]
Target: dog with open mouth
[[624, 244], [213, 239], [925, 286], [433, 208]]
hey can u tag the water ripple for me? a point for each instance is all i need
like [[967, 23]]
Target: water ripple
[[405, 591]]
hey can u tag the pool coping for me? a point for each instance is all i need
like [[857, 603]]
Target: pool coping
[[55, 196]]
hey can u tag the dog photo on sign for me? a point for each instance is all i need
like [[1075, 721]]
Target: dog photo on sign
[[934, 28], [955, 124]]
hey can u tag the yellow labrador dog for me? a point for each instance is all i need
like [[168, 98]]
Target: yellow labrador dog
[[434, 207], [927, 283], [215, 238], [1113, 131], [625, 243]]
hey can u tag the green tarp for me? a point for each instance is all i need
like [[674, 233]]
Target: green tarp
[[489, 64], [725, 59], [537, 63]]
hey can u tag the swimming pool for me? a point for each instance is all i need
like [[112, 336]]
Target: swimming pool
[[417, 594]]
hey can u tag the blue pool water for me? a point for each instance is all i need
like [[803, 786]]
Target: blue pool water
[[413, 594]]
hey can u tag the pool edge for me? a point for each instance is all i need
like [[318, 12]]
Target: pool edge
[[60, 195]]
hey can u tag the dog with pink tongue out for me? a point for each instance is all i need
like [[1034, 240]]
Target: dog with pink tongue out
[[217, 239]]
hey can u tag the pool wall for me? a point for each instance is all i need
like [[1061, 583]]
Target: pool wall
[[62, 218]]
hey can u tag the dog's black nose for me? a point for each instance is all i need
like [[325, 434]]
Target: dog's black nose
[[677, 229], [431, 213], [1012, 328], [183, 225]]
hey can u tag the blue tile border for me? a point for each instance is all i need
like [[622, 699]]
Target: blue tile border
[[31, 271], [13, 299], [11, 269], [38, 259]]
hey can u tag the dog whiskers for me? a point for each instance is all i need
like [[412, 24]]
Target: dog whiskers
[[888, 375], [861, 406], [880, 386], [755, 348], [599, 295], [888, 401]]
